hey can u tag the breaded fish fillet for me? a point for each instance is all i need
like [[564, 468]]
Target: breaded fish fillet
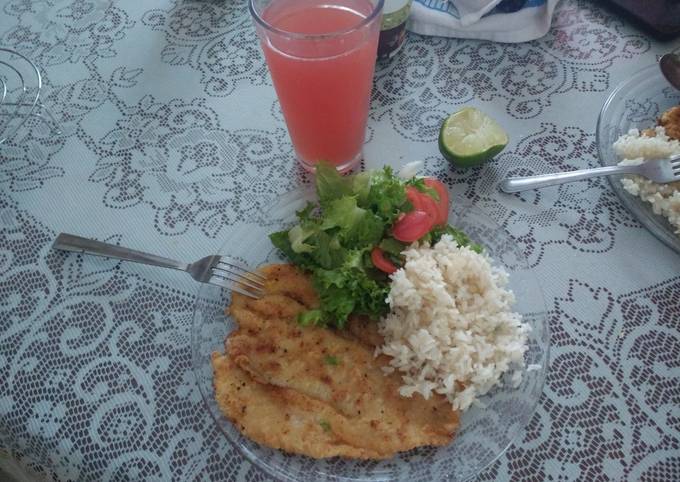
[[670, 120], [332, 374], [277, 417]]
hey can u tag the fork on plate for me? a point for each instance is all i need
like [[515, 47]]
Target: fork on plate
[[658, 170], [216, 270]]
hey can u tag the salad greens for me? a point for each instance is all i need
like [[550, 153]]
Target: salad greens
[[333, 241]]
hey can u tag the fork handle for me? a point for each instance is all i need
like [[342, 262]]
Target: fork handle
[[70, 242], [517, 184]]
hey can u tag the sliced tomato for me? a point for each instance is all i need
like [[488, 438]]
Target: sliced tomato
[[423, 202], [412, 226], [443, 203], [413, 195], [381, 262]]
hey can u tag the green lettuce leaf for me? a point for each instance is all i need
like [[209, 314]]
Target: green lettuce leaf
[[458, 236], [282, 243], [392, 246], [330, 184], [387, 195], [297, 236], [356, 226], [361, 187], [334, 242], [310, 317], [329, 253]]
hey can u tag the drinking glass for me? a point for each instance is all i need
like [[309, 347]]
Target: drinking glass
[[321, 55]]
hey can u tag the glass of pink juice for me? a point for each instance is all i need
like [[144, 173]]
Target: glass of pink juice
[[321, 55]]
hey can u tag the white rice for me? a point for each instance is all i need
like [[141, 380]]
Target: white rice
[[451, 329], [635, 148]]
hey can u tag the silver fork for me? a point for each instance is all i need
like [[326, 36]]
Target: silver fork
[[216, 270], [659, 170]]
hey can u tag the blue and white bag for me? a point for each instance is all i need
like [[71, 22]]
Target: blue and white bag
[[497, 20]]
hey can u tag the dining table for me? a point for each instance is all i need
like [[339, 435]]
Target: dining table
[[167, 136]]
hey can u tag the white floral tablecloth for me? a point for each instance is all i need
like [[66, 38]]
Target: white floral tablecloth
[[172, 134]]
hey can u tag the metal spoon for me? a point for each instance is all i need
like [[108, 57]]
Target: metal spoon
[[670, 68]]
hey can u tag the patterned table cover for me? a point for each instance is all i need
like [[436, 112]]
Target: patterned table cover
[[172, 135]]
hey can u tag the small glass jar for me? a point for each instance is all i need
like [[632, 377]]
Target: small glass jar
[[393, 28]]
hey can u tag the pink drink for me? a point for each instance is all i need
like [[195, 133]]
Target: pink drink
[[321, 58]]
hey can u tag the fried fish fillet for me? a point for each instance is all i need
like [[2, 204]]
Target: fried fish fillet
[[364, 330], [278, 417], [670, 120], [316, 383]]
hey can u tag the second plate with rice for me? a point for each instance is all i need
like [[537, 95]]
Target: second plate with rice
[[636, 103]]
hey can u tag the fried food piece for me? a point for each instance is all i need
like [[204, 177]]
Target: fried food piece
[[343, 375], [670, 120], [333, 372], [362, 329], [288, 292], [277, 417]]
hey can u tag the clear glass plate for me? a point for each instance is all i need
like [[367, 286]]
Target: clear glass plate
[[484, 433], [636, 103]]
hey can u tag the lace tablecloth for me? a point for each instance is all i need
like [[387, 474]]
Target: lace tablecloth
[[172, 134]]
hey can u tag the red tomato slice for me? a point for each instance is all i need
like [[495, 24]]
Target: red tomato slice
[[443, 203], [413, 195], [381, 262], [423, 202], [412, 226]]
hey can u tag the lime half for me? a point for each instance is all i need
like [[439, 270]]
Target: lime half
[[469, 137]]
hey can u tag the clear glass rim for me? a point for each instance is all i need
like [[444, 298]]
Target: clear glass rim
[[377, 9], [655, 225], [611, 99]]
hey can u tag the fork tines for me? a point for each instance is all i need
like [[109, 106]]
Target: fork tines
[[247, 282]]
